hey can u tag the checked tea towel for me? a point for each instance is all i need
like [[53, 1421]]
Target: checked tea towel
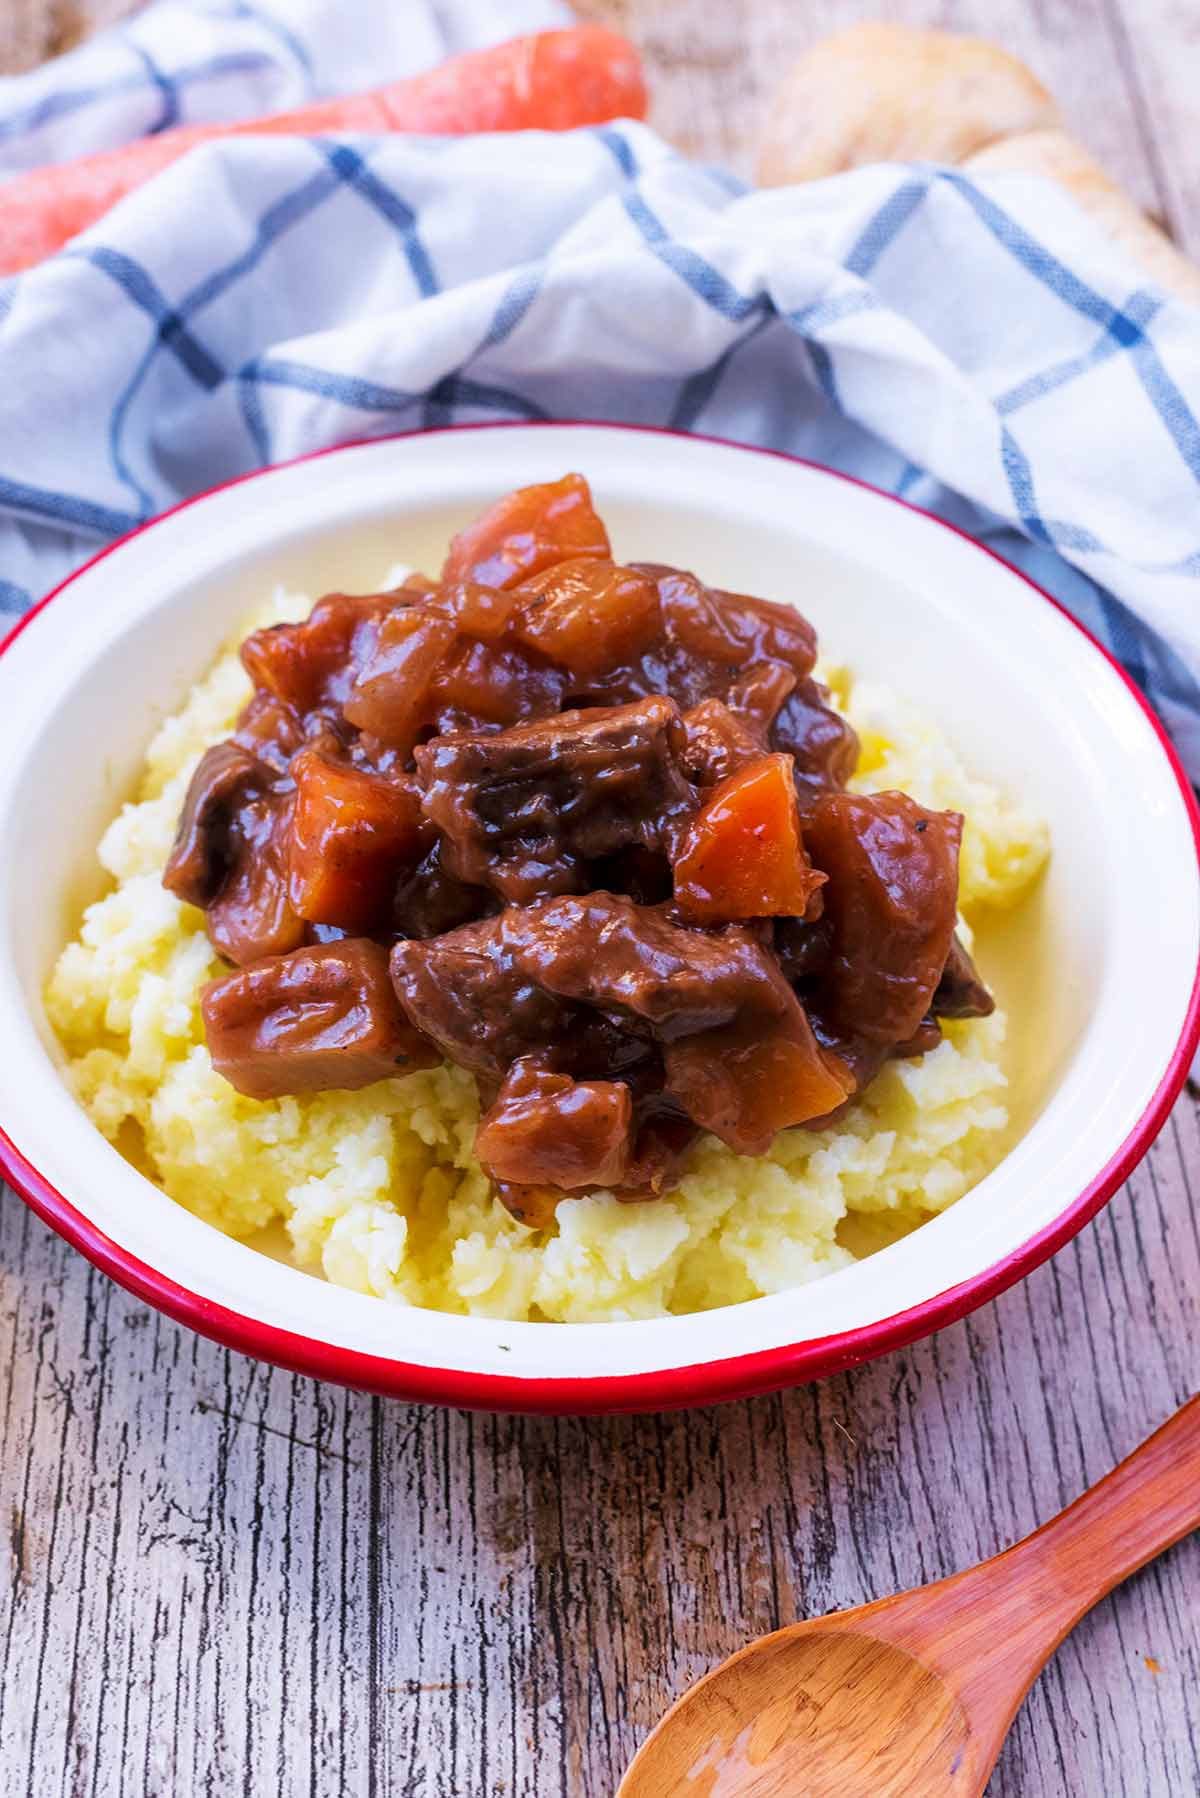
[[974, 346]]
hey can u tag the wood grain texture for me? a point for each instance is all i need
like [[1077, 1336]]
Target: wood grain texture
[[31, 31], [713, 66], [914, 1694], [226, 1580]]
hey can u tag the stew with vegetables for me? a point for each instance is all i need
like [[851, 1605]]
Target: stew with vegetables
[[581, 828]]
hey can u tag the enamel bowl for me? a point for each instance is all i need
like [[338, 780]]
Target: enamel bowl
[[1098, 971]]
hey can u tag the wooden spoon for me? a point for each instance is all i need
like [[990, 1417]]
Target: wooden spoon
[[912, 1697]]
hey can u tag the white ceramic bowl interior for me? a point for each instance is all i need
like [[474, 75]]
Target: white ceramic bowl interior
[[1096, 971]]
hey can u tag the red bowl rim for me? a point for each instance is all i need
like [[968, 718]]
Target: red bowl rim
[[698, 1383]]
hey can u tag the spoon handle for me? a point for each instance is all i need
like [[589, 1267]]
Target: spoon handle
[[1135, 1512], [993, 1627]]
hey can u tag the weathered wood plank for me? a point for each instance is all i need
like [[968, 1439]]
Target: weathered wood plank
[[580, 1507], [228, 1579], [224, 1579], [714, 68], [1159, 48]]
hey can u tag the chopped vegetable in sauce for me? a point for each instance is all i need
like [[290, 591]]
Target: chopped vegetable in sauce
[[581, 828]]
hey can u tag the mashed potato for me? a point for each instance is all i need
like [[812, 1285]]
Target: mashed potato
[[380, 1190]]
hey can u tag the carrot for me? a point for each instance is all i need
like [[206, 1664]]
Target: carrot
[[743, 855], [550, 81], [353, 834]]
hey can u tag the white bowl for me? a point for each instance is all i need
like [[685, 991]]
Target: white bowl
[[1103, 997]]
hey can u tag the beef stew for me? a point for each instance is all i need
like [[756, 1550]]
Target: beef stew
[[580, 827]]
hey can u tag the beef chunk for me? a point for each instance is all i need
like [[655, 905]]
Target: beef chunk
[[431, 902], [494, 991], [230, 856], [541, 978], [637, 1161], [723, 735], [253, 915], [309, 666], [822, 745], [803, 949], [485, 685], [757, 697], [717, 742], [524, 810], [588, 615], [546, 1129], [636, 964], [961, 992], [708, 641], [321, 1017], [466, 992], [660, 1148], [392, 696], [755, 1077], [891, 900], [271, 731], [731, 629], [206, 840]]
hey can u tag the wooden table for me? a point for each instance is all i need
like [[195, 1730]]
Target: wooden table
[[228, 1580]]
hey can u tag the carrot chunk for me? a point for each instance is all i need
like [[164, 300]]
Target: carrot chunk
[[352, 836], [743, 855], [531, 529]]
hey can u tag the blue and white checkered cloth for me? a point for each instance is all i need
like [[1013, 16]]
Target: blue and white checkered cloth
[[975, 346]]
